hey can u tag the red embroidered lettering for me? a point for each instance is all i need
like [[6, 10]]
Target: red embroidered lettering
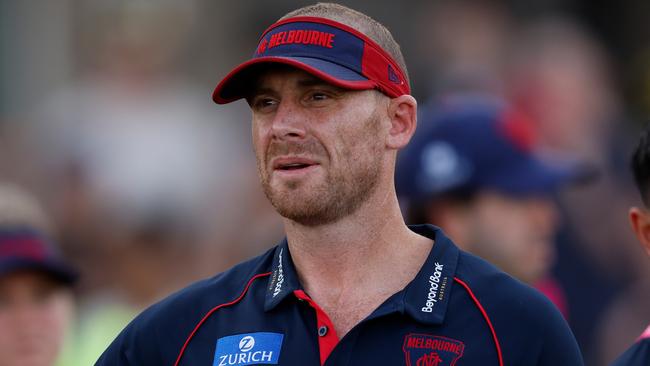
[[410, 343], [314, 37], [282, 37], [290, 36], [307, 37], [273, 40], [429, 350], [299, 35], [262, 46]]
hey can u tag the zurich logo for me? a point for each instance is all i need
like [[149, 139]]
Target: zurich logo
[[248, 349], [246, 344]]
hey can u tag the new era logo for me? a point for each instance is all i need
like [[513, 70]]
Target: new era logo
[[392, 75]]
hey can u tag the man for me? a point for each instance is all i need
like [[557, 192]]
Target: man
[[351, 284], [639, 353], [472, 171], [36, 301]]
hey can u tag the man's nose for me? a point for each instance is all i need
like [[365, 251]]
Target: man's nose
[[288, 122]]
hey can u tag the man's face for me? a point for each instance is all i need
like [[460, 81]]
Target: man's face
[[516, 234], [34, 314], [318, 147]]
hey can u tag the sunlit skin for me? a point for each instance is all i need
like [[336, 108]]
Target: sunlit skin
[[35, 312], [318, 152], [326, 159]]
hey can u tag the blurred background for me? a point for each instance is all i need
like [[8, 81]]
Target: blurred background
[[106, 116]]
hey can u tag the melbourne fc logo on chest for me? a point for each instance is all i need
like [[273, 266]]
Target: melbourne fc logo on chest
[[430, 350]]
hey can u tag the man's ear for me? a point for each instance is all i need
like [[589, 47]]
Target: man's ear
[[640, 221], [402, 112]]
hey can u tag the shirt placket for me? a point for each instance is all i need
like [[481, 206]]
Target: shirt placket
[[327, 338]]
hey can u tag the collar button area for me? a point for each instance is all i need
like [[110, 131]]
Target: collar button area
[[322, 331]]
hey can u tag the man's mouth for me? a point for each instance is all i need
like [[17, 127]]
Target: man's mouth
[[293, 166], [292, 163]]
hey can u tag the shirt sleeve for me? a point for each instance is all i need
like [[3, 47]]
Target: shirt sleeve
[[637, 355], [116, 353], [136, 345], [560, 347]]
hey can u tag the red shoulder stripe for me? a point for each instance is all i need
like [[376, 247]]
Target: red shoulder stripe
[[238, 299], [485, 316]]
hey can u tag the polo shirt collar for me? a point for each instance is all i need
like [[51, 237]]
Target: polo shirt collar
[[284, 278], [425, 298]]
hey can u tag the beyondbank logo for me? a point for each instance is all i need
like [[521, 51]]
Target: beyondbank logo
[[260, 348]]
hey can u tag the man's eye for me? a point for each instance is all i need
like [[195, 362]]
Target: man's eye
[[264, 103], [319, 96]]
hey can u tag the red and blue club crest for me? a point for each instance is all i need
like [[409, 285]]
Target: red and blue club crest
[[430, 350]]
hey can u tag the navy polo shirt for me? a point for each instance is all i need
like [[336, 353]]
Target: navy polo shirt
[[458, 310], [638, 354]]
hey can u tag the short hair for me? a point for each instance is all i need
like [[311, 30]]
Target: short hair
[[359, 21], [640, 164]]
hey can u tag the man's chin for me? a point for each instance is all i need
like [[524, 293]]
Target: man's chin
[[315, 211], [307, 210]]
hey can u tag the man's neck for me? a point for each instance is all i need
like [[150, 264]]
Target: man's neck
[[358, 261]]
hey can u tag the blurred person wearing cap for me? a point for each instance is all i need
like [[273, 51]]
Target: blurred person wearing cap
[[639, 353], [472, 171], [351, 283], [36, 301], [563, 78]]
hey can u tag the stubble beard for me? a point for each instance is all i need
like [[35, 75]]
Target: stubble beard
[[340, 194]]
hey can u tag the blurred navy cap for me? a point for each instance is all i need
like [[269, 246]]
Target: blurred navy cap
[[470, 148], [27, 249]]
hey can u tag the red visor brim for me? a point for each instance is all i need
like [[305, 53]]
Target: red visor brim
[[238, 83]]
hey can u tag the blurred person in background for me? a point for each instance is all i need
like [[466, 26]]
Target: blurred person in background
[[134, 157], [463, 47], [145, 260], [560, 77], [131, 141], [36, 298], [471, 170], [639, 353]]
